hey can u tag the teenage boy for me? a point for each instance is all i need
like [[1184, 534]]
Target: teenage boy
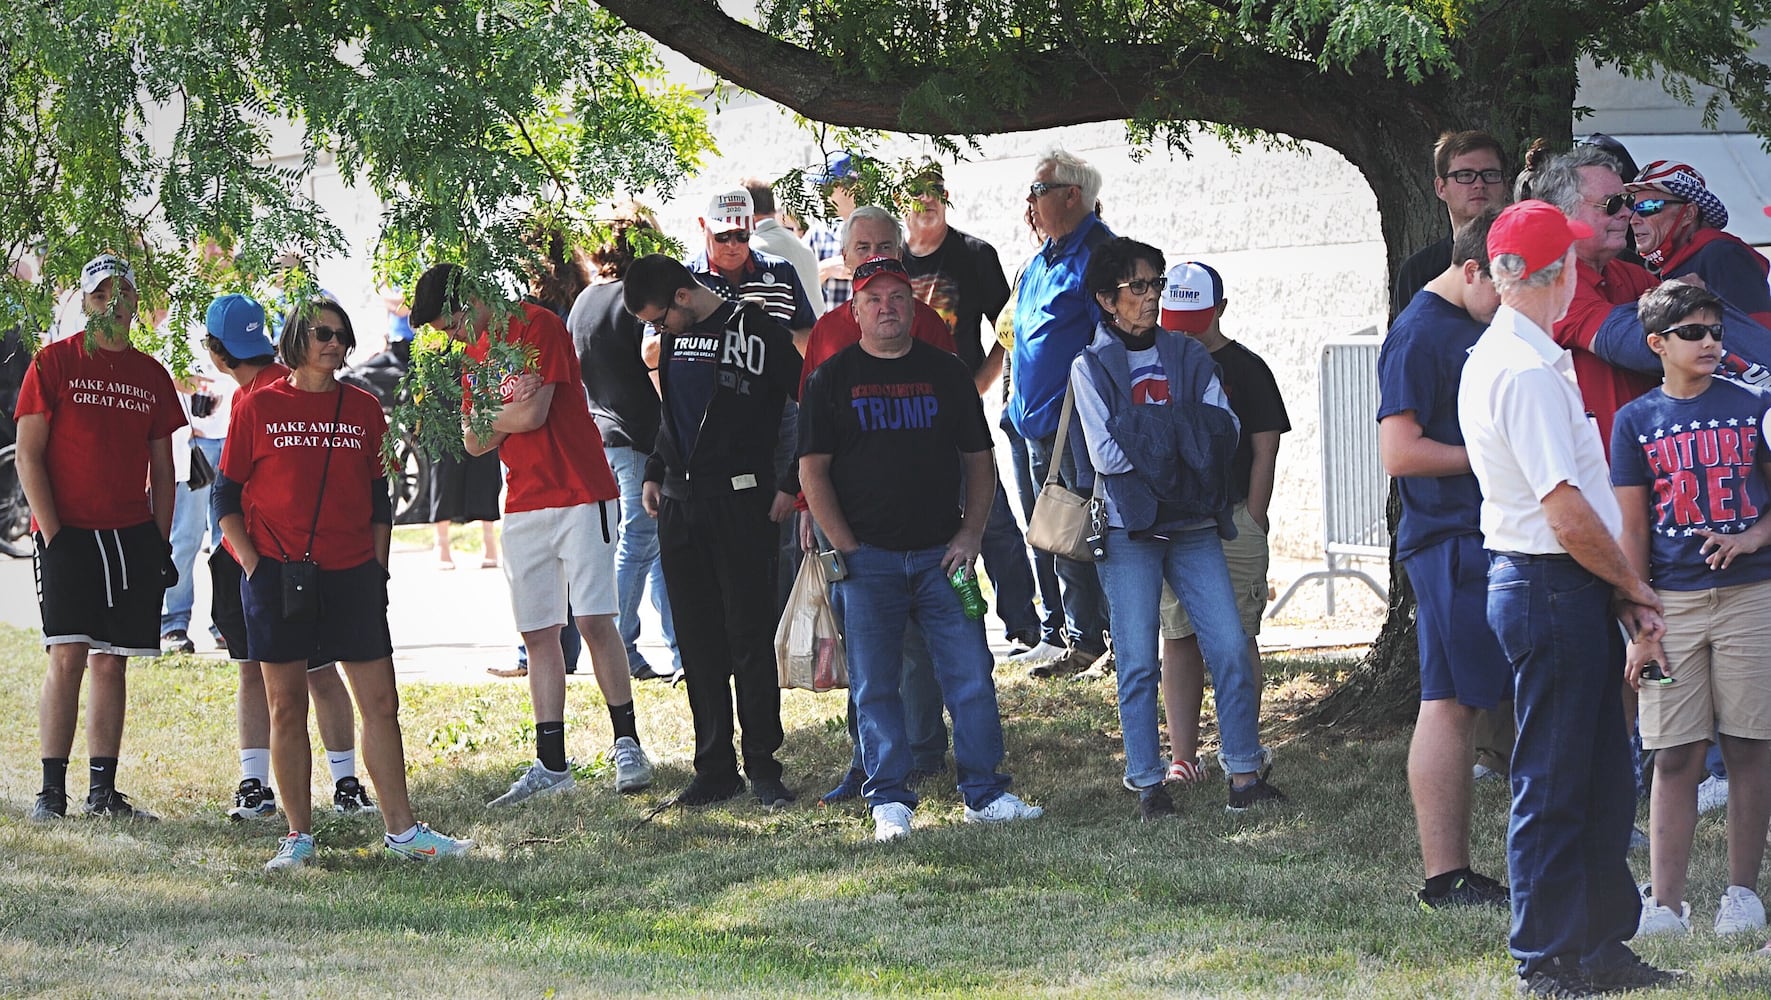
[[1689, 471], [559, 528], [95, 422]]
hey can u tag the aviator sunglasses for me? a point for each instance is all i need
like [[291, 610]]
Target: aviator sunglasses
[[734, 236]]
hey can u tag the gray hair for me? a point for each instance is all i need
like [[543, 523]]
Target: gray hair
[[877, 214], [1559, 181], [1508, 270], [1068, 168]]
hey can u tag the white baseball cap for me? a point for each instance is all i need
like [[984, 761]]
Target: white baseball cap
[[729, 210], [105, 265]]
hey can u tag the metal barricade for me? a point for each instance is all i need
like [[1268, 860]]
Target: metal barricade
[[1354, 487]]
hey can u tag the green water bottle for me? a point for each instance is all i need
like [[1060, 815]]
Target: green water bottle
[[965, 584]]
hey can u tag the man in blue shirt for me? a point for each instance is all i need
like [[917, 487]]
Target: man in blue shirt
[[1055, 319]]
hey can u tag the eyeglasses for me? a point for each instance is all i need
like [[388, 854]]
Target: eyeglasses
[[1695, 331], [1648, 208], [1039, 189], [1141, 286], [324, 334], [734, 236], [1471, 176], [1612, 205]]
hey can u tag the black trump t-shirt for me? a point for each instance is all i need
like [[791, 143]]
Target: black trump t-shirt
[[894, 429]]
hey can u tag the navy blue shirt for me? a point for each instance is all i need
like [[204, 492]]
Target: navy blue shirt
[[1418, 369], [768, 279], [1702, 456], [694, 372]]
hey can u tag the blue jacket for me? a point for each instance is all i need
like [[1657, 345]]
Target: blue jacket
[[1054, 319]]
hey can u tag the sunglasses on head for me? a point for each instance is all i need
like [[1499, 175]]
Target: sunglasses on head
[[1612, 205], [1694, 331], [890, 265], [1648, 208], [734, 236]]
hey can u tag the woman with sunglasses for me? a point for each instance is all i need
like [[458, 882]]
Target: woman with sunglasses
[[1160, 436], [1678, 226], [305, 507]]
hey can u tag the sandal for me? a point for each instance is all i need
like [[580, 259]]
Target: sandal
[[1185, 772], [508, 671]]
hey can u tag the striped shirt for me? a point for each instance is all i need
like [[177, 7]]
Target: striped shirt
[[768, 280]]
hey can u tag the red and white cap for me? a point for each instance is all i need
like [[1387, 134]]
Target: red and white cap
[[1191, 294], [1682, 181], [729, 210]]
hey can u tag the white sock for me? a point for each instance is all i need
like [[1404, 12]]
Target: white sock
[[255, 763], [343, 764], [401, 838]]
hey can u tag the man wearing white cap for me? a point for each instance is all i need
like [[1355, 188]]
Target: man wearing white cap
[[94, 415], [731, 268]]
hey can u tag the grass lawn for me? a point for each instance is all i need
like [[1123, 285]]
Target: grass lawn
[[566, 897]]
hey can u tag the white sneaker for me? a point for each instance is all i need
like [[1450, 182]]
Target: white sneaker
[[1006, 809], [633, 769], [891, 821], [1045, 652], [1712, 794], [1741, 910], [536, 780], [1661, 920], [1482, 772]]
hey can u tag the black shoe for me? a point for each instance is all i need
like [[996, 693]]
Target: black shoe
[[704, 791], [177, 641], [1556, 985], [51, 805], [1470, 889], [253, 799], [1634, 974], [1154, 804], [352, 799], [1254, 793], [647, 672], [772, 793], [112, 804]]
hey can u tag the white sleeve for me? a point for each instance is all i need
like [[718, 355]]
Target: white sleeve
[[1092, 413], [1531, 416], [1214, 396]]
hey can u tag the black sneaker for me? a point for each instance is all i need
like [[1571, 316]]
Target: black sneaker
[[1470, 889], [352, 799], [1634, 974], [1154, 803], [177, 641], [772, 793], [51, 805], [112, 804], [1254, 793], [704, 791], [1556, 985], [252, 800]]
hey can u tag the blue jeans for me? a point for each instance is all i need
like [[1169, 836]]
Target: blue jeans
[[636, 560], [898, 589], [1045, 573], [1192, 562], [1004, 554], [1084, 607], [1573, 796], [190, 519]]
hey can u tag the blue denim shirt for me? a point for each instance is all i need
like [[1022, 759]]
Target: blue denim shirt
[[1055, 318]]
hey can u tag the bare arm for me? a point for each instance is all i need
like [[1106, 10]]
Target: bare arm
[[814, 481], [1635, 501], [526, 411], [477, 445], [980, 493], [33, 473], [160, 483], [1407, 451], [1584, 536], [384, 534], [1265, 445], [991, 369]]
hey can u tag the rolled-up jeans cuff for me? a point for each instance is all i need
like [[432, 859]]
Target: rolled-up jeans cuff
[[1245, 765]]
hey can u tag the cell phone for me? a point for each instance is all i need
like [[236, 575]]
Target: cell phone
[[1653, 671], [834, 570]]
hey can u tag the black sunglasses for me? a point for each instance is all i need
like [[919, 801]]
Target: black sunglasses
[[734, 236], [1694, 331], [326, 333], [1612, 205]]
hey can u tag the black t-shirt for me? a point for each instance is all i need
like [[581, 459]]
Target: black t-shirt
[[1423, 266], [619, 384], [1254, 398], [894, 428], [963, 281]]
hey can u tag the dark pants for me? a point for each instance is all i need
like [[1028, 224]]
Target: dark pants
[[1045, 573], [1004, 553], [719, 559], [1085, 607], [1573, 794]]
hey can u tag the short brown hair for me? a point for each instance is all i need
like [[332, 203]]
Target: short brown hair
[[1454, 144], [1470, 242]]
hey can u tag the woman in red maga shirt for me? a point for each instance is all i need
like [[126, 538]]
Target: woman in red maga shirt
[[301, 483]]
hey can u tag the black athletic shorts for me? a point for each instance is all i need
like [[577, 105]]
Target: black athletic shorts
[[228, 611], [352, 625], [103, 588]]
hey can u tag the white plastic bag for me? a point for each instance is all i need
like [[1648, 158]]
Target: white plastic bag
[[808, 645]]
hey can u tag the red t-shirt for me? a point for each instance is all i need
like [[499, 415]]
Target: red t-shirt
[[269, 374], [561, 463], [276, 448], [1603, 388], [103, 408], [838, 329]]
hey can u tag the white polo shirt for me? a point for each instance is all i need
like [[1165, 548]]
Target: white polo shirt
[[1527, 432]]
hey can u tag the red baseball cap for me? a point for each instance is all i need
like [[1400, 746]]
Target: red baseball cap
[[878, 267], [1535, 230]]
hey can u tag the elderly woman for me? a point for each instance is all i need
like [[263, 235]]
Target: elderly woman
[[304, 506], [1678, 224], [1160, 437]]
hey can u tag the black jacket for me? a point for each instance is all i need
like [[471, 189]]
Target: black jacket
[[758, 372], [619, 385]]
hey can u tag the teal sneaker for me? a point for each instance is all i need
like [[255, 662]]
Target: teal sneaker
[[293, 851], [427, 845]]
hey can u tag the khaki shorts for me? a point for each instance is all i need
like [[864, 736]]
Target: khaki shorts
[[1246, 555], [1720, 662], [556, 551]]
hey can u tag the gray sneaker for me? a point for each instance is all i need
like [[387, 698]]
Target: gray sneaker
[[633, 769], [536, 780]]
